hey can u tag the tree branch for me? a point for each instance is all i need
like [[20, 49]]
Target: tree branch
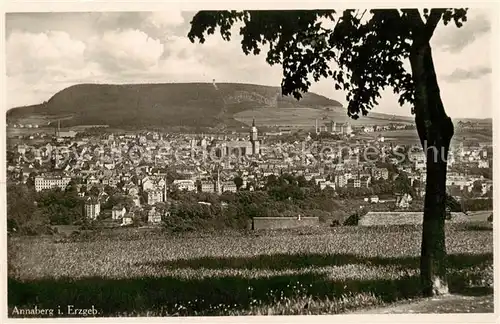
[[434, 18], [414, 18], [362, 15]]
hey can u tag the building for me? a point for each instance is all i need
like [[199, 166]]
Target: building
[[486, 186], [137, 200], [154, 216], [239, 148], [380, 173], [325, 184], [348, 129], [229, 186], [68, 134], [118, 212], [365, 181], [254, 139], [51, 182], [354, 183], [418, 158], [403, 201], [21, 149], [188, 185], [92, 181], [154, 196], [64, 134], [147, 184], [483, 164], [341, 180], [420, 165], [333, 127], [233, 148], [128, 219], [92, 208], [318, 181], [208, 186]]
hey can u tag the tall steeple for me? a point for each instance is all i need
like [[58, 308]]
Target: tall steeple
[[254, 139], [253, 132]]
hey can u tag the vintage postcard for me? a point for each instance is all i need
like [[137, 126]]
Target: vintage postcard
[[180, 161]]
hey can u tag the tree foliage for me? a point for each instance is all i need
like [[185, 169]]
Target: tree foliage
[[30, 212], [362, 54]]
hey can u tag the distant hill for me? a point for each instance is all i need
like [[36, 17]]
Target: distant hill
[[173, 104]]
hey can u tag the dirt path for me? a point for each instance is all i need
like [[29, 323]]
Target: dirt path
[[444, 304]]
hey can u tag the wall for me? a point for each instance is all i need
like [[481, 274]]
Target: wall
[[402, 218], [283, 222]]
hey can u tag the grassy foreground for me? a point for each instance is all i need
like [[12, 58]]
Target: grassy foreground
[[296, 272]]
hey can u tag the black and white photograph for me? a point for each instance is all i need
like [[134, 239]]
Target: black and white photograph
[[166, 162]]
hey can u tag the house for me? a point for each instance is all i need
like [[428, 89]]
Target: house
[[229, 186], [326, 184], [341, 180], [403, 201], [418, 158], [420, 165], [486, 186], [380, 173], [483, 164], [128, 219], [154, 196], [208, 186], [354, 183], [154, 216], [137, 200], [317, 181], [92, 208], [147, 184], [92, 180], [188, 185], [365, 181], [133, 191], [21, 149], [118, 212], [113, 181]]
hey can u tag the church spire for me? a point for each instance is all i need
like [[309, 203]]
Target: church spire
[[253, 122]]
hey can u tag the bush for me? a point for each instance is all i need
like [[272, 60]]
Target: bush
[[335, 223], [352, 220], [490, 218]]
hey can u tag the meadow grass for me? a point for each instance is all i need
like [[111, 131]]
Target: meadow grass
[[279, 273]]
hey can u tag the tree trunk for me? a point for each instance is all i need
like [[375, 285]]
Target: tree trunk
[[435, 130]]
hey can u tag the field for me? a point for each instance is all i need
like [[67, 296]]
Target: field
[[410, 136], [325, 271], [306, 117]]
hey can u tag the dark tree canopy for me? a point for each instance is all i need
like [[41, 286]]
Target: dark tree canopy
[[369, 47]]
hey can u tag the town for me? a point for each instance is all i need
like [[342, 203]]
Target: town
[[133, 177]]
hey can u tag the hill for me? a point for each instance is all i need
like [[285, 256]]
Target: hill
[[174, 104]]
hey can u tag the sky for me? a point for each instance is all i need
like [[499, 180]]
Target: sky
[[47, 52]]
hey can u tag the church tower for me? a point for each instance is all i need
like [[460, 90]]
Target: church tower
[[254, 139]]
